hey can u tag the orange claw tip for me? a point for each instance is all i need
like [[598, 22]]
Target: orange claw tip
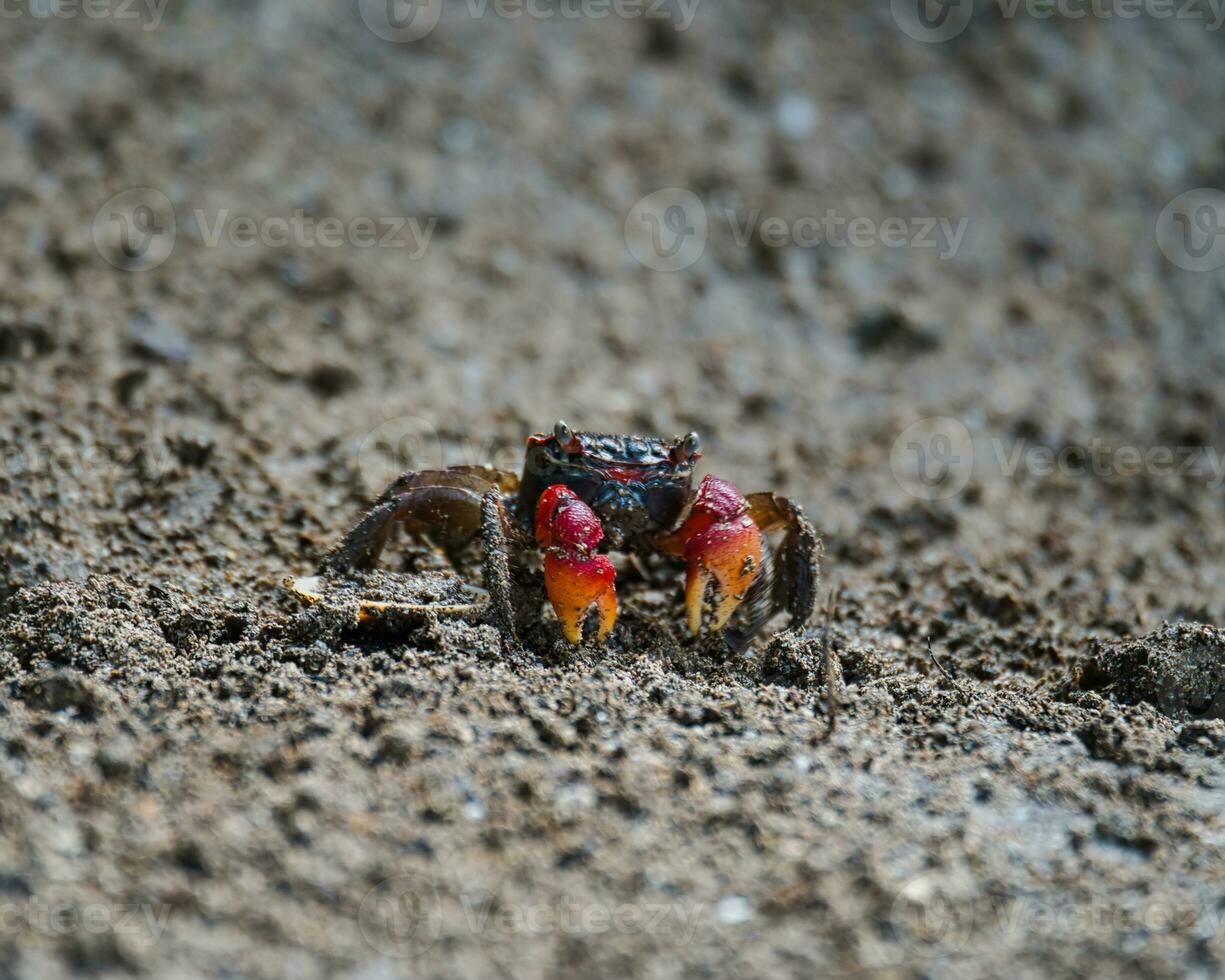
[[574, 583], [606, 610], [695, 594], [728, 552]]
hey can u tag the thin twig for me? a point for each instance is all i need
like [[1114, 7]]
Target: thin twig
[[833, 670], [936, 660], [953, 682]]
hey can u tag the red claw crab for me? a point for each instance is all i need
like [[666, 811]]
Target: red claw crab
[[582, 495]]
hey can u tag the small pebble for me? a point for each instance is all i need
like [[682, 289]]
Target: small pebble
[[734, 910], [797, 117]]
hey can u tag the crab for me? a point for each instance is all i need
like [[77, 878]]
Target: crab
[[584, 495]]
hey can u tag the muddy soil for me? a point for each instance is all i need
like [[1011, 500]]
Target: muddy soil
[[996, 390]]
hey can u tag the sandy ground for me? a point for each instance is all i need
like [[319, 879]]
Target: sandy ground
[[972, 387]]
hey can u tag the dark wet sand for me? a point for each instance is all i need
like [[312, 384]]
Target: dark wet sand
[[201, 777]]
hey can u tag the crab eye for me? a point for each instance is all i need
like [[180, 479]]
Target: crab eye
[[562, 433], [691, 444]]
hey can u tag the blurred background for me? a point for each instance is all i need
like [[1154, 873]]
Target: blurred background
[[798, 230], [948, 274]]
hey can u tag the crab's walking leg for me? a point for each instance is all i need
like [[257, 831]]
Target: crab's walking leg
[[448, 512], [450, 507], [497, 567], [797, 562], [575, 577], [721, 544]]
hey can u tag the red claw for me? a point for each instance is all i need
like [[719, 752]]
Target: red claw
[[719, 541], [575, 576], [563, 519]]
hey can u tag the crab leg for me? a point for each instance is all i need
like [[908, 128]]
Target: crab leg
[[721, 544], [575, 577], [798, 564], [449, 506]]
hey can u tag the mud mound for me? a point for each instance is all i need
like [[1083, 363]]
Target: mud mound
[[1178, 668], [103, 625]]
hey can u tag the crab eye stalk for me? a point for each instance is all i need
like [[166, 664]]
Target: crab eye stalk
[[689, 448], [562, 433]]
